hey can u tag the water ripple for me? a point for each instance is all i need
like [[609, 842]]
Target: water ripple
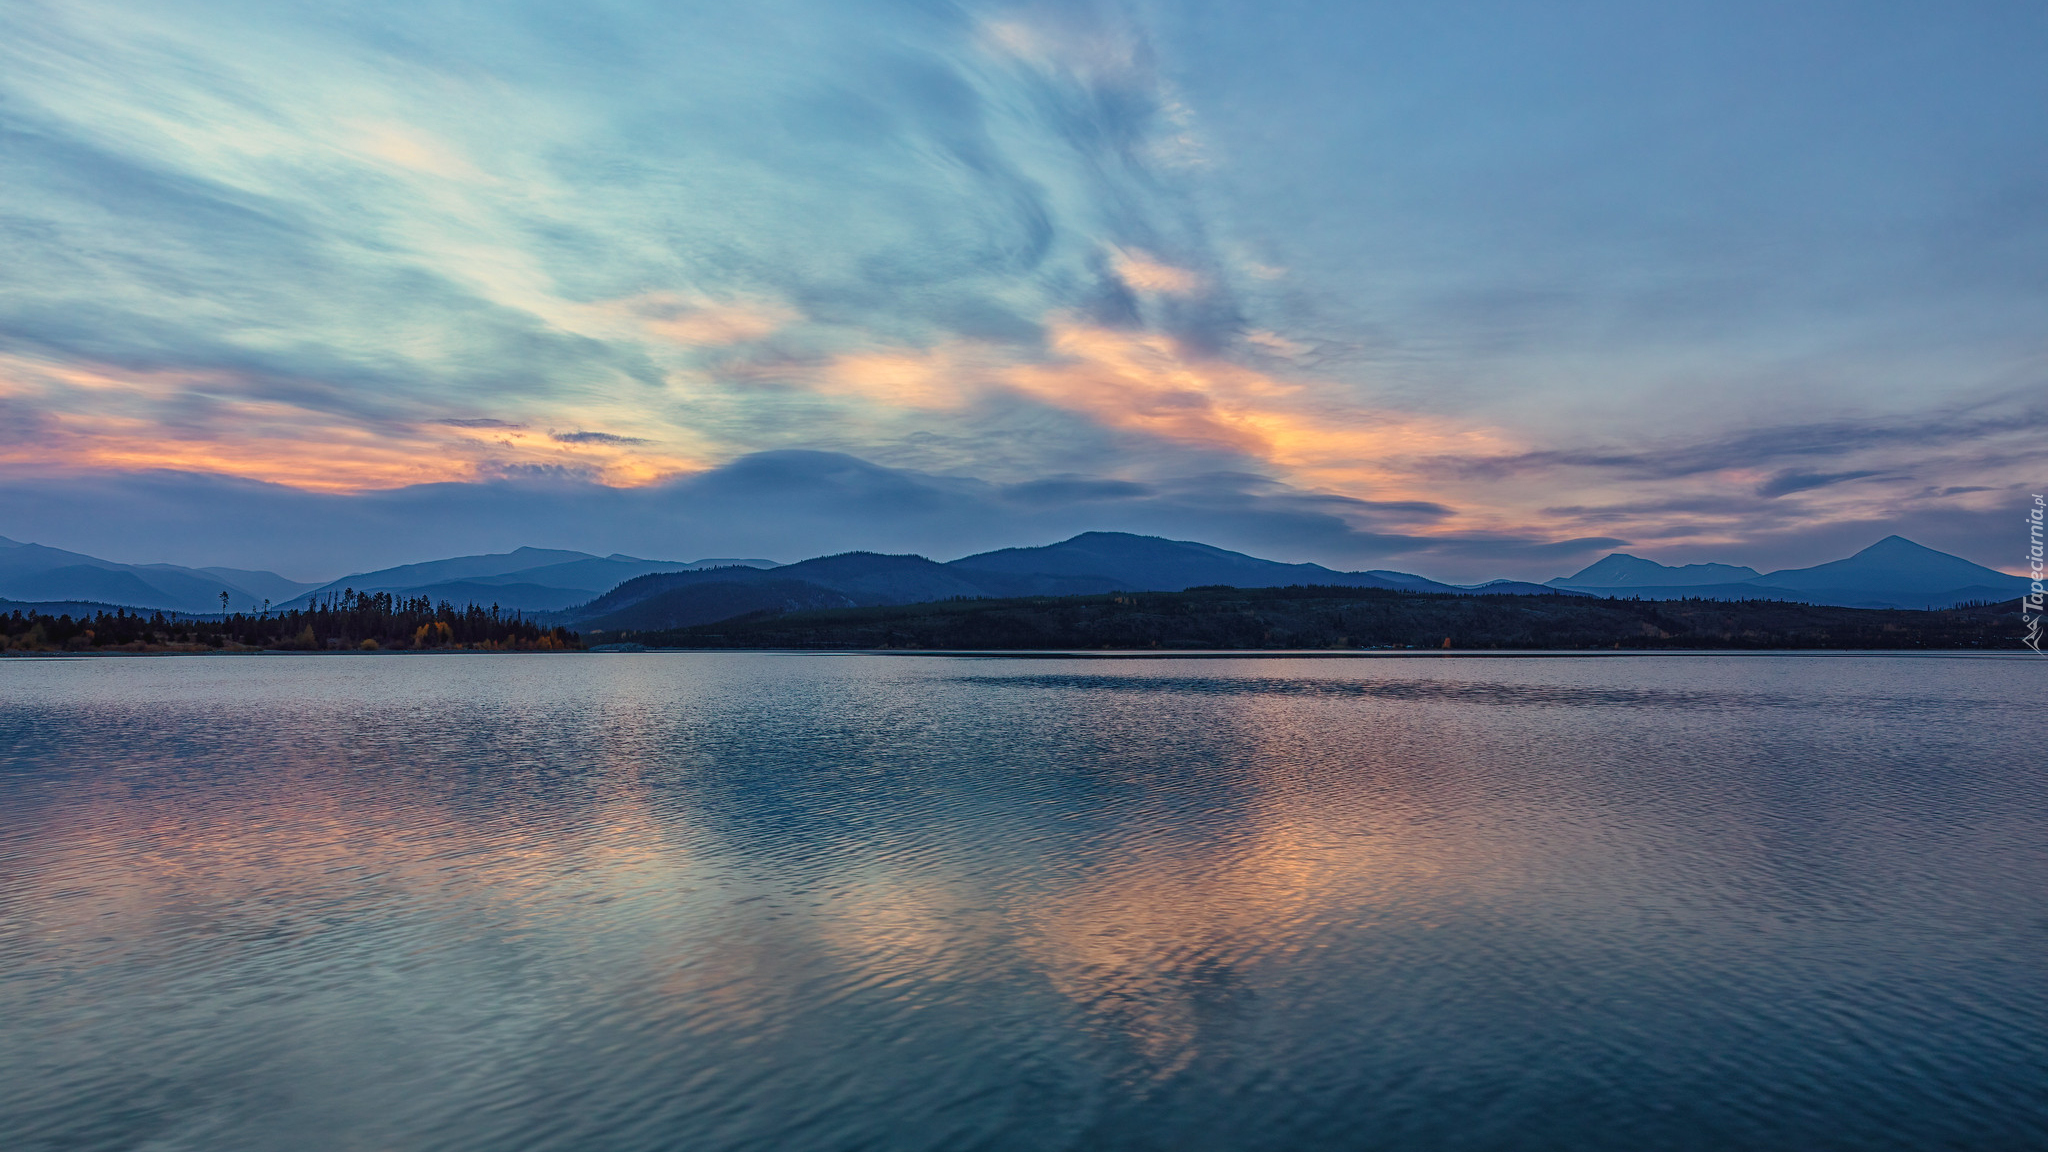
[[734, 901]]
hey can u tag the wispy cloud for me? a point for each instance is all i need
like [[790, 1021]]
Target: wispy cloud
[[1793, 480], [1142, 273], [779, 504], [1055, 248], [593, 438]]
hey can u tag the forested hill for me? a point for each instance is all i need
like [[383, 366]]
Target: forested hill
[[1330, 617], [356, 621]]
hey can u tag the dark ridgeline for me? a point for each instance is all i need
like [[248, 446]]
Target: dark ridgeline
[[1098, 589], [621, 594], [350, 620], [1091, 563], [1336, 617], [1893, 573]]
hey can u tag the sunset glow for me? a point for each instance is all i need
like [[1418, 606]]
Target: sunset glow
[[1000, 244]]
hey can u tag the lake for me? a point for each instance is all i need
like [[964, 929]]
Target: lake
[[716, 901]]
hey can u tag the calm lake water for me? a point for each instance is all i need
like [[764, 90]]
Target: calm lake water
[[759, 901]]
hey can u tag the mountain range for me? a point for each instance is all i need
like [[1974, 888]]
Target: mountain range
[[1089, 563], [36, 574], [1892, 573], [525, 579], [618, 592]]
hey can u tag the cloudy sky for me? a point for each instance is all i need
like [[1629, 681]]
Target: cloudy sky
[[1471, 289]]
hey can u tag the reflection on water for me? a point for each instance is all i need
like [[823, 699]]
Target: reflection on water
[[779, 902]]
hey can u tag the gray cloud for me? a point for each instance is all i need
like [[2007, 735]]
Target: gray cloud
[[129, 265], [1793, 480], [1671, 459], [785, 505], [388, 213]]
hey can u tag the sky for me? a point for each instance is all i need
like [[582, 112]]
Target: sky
[[1462, 288]]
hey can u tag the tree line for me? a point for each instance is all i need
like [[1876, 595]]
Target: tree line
[[351, 620], [1342, 617]]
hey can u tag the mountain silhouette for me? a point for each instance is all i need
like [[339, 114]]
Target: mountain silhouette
[[1621, 570], [33, 573], [627, 592], [1893, 564], [1092, 562], [1121, 561], [1893, 573], [524, 579]]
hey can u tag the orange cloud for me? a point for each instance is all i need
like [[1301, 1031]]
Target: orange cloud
[[1149, 383], [1145, 274], [104, 418], [1304, 433], [939, 378]]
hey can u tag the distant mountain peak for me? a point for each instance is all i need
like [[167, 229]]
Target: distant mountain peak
[[1894, 572], [1896, 545], [1895, 564], [528, 551], [1621, 570]]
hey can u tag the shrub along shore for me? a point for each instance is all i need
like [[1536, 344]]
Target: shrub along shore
[[352, 621], [1341, 617], [1217, 618]]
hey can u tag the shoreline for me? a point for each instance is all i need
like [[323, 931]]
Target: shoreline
[[1095, 653]]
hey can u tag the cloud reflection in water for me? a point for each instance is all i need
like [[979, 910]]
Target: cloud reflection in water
[[831, 902]]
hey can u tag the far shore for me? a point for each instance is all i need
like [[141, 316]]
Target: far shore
[[1078, 653]]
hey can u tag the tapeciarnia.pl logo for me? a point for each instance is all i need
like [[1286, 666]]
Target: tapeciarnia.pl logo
[[2031, 606]]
